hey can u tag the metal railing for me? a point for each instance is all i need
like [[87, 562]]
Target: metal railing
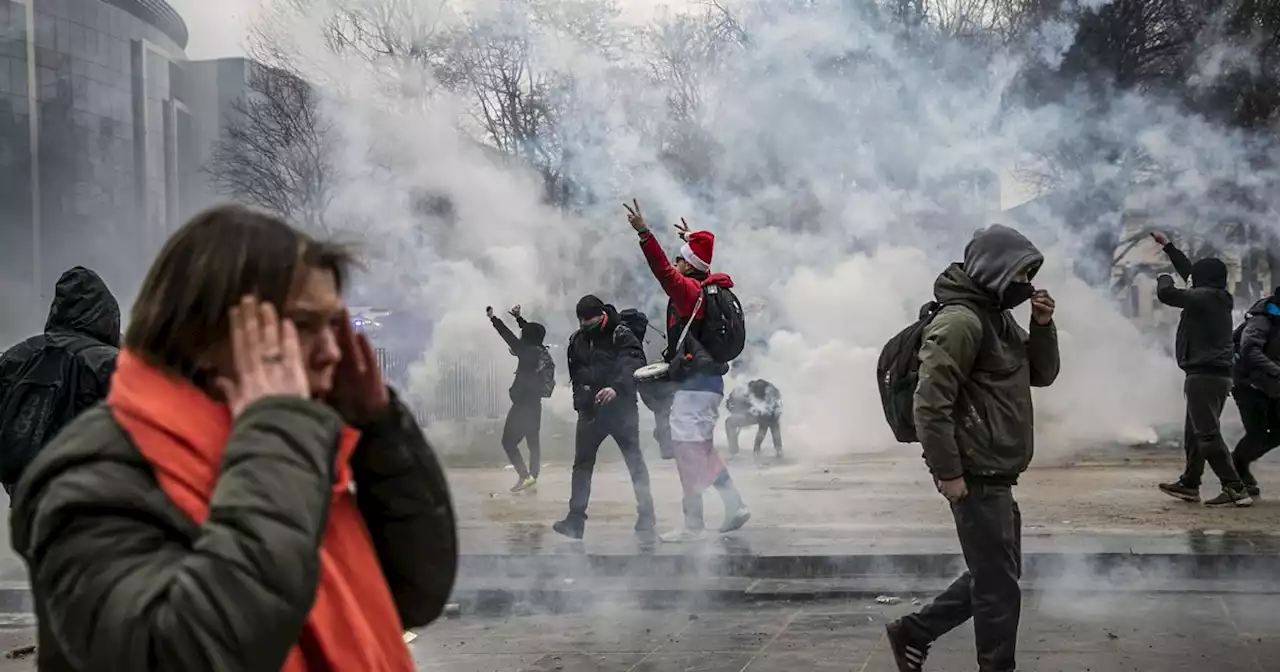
[[464, 387]]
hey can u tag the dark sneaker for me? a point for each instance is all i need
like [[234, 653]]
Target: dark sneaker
[[1237, 496], [1179, 490], [909, 655], [1253, 490], [569, 528]]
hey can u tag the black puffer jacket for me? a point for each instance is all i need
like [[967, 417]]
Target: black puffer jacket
[[605, 357], [1204, 343], [1257, 361], [122, 579]]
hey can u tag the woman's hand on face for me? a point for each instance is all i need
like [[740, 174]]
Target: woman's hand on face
[[265, 355], [359, 394]]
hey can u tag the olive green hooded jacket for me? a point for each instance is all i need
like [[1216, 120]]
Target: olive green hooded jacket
[[973, 407]]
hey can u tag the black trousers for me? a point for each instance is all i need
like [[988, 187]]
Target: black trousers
[[989, 525], [621, 421], [1261, 417], [1202, 433], [765, 424], [657, 397], [524, 423]]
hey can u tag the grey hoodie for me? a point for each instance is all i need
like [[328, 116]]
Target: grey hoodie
[[973, 408]]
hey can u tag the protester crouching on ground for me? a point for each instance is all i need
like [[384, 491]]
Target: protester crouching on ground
[[1205, 352], [695, 406], [603, 356], [535, 380], [974, 415], [1256, 387], [757, 402], [251, 496]]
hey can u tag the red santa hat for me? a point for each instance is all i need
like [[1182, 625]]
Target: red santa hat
[[698, 249]]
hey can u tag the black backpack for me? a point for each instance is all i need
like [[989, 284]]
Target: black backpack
[[547, 372], [723, 331], [898, 371], [636, 321], [39, 404]]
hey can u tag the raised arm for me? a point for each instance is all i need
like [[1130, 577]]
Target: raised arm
[[126, 594], [1180, 262], [946, 357], [1168, 293], [1042, 354], [404, 499]]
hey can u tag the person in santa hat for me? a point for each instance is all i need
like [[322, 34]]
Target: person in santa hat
[[695, 408]]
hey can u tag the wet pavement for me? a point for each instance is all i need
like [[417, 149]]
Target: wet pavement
[[1060, 633]]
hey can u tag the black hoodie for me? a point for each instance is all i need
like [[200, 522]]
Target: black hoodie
[[85, 319], [528, 350], [1204, 344]]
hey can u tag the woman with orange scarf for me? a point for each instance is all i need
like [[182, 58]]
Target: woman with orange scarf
[[251, 497]]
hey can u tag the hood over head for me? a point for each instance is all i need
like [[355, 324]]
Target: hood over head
[[1209, 272], [589, 306], [82, 304], [995, 255], [533, 333]]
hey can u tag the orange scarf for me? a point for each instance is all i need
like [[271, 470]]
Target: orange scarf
[[353, 625]]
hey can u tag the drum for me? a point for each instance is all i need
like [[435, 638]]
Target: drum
[[651, 372]]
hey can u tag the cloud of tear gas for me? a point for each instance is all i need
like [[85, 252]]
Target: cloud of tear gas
[[840, 168]]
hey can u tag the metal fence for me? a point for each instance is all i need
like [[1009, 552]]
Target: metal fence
[[465, 387]]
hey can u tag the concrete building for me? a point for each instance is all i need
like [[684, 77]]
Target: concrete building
[[105, 129]]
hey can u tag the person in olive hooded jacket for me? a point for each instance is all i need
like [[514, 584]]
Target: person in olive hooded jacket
[[975, 420], [1205, 352]]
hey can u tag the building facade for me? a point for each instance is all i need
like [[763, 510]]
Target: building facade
[[96, 139]]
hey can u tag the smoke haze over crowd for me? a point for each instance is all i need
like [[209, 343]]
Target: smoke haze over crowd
[[841, 160]]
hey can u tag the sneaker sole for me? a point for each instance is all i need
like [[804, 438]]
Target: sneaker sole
[[1237, 504], [1194, 499], [898, 646]]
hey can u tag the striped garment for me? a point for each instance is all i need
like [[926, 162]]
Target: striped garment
[[695, 410]]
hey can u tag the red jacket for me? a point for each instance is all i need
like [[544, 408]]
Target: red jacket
[[681, 289]]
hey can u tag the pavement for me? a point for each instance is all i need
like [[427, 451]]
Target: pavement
[[1059, 633]]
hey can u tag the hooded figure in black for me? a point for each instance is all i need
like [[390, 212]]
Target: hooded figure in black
[[603, 357], [535, 375], [1257, 387], [84, 329], [1205, 352]]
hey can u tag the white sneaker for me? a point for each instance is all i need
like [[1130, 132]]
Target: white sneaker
[[683, 536], [734, 522]]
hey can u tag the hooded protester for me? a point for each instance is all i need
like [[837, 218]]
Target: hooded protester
[[251, 496], [1205, 351], [49, 379], [603, 356], [695, 407], [534, 370], [758, 403], [974, 415], [1256, 387]]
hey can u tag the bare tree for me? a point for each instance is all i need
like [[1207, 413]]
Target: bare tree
[[275, 152]]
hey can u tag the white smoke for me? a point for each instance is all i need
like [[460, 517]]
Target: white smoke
[[841, 183]]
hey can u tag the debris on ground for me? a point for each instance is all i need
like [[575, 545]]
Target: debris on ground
[[888, 599], [409, 636], [20, 652], [452, 610]]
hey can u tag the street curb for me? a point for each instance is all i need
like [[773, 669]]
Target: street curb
[[931, 565]]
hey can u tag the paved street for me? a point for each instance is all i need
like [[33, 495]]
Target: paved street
[[1060, 633]]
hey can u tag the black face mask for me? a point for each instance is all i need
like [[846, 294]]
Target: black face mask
[[1016, 294]]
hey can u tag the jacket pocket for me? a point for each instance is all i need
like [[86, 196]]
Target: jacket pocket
[[973, 434]]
